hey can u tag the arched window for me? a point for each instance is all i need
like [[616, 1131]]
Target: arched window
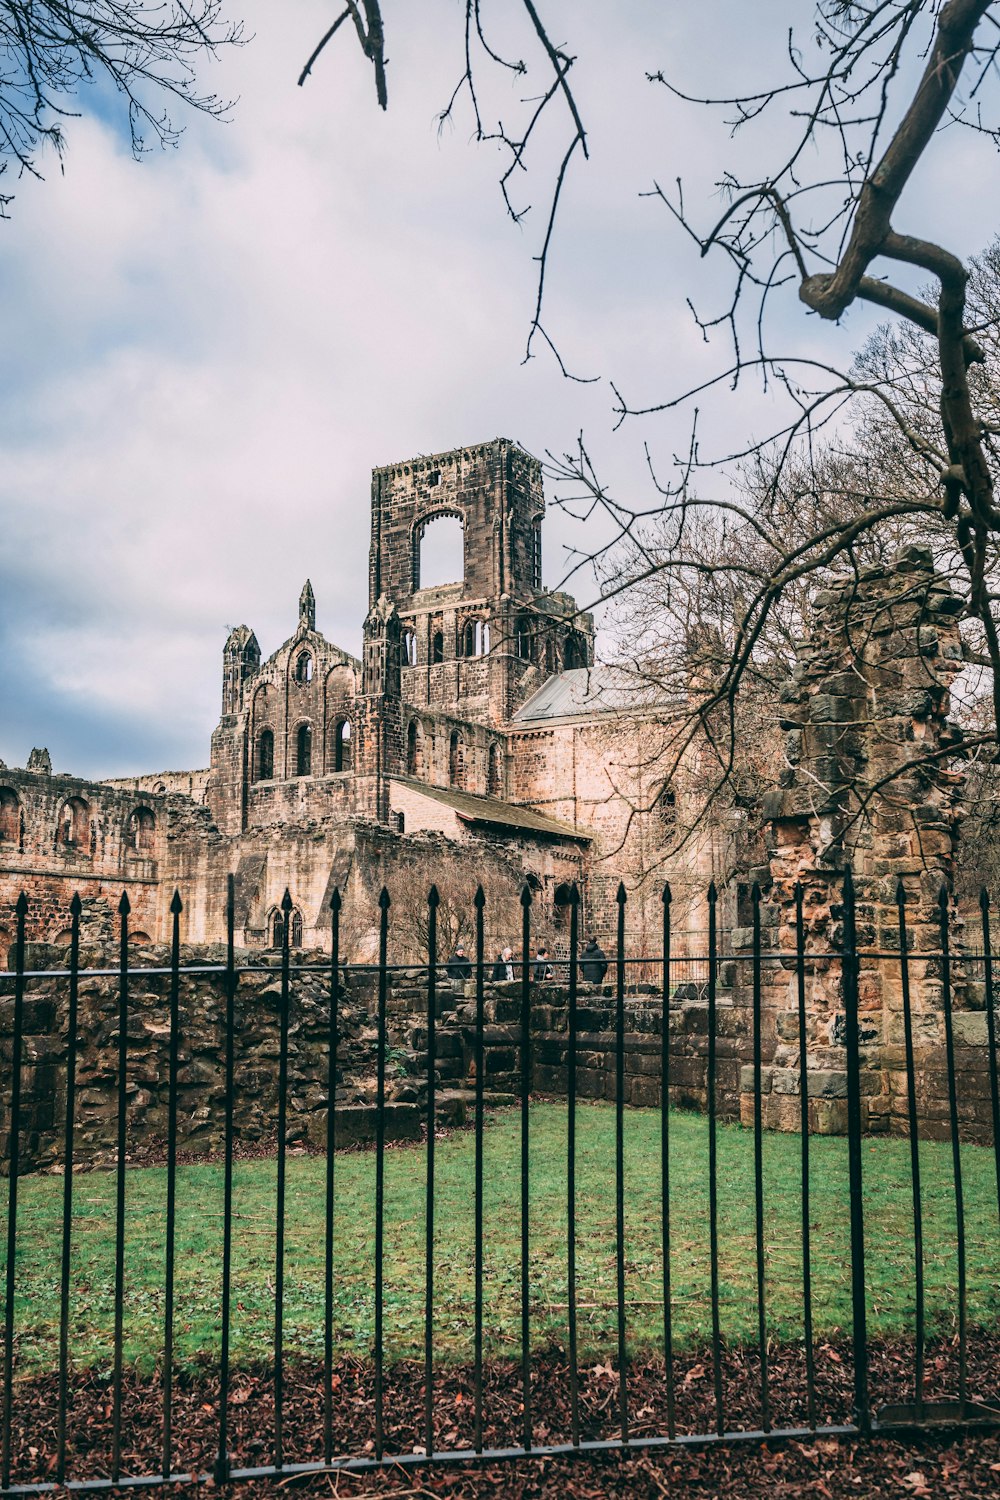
[[295, 939], [562, 899], [438, 551], [666, 808], [456, 759], [342, 746], [409, 648], [303, 750], [494, 772], [10, 816], [437, 646], [264, 770], [304, 668], [574, 652], [524, 639], [277, 929], [141, 830], [536, 553], [475, 638], [415, 749], [74, 824]]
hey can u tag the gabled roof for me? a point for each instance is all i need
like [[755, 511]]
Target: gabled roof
[[491, 812], [583, 692]]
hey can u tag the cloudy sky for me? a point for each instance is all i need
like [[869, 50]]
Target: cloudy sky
[[204, 355]]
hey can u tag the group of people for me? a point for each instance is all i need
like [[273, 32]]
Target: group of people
[[593, 963]]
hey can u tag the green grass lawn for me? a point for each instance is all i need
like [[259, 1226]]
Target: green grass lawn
[[199, 1237]]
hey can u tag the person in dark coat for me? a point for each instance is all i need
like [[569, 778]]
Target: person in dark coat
[[459, 966], [541, 968], [593, 962]]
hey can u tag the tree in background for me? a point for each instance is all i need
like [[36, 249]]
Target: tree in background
[[52, 51], [736, 540]]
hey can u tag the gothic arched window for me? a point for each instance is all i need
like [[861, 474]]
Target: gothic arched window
[[74, 824], [264, 769], [414, 749], [304, 668], [141, 830], [524, 640], [342, 746], [303, 750], [437, 646], [494, 772], [456, 760], [574, 652], [10, 816]]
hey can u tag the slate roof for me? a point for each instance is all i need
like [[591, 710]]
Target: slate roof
[[491, 812], [585, 691]]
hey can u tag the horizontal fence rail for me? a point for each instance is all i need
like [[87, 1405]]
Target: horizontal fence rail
[[700, 1028]]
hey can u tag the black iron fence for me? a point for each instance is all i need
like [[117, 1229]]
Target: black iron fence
[[68, 1466]]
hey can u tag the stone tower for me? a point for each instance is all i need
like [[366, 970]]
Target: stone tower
[[476, 646], [240, 660]]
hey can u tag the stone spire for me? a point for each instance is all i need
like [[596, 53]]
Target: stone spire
[[307, 607]]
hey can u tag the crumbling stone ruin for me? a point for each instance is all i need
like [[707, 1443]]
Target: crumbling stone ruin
[[868, 782], [476, 717], [476, 735]]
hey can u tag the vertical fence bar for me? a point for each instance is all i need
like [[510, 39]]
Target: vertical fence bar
[[807, 1315], [168, 1288], [222, 1464], [525, 1157], [574, 1373], [862, 1411], [75, 907], [432, 908], [758, 1169], [480, 903], [331, 1147], [911, 1106], [116, 1440], [17, 1041], [956, 1154], [621, 899], [383, 942], [668, 1333], [279, 1247], [991, 1034], [713, 1161]]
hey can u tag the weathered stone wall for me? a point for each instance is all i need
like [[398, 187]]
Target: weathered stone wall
[[869, 782], [201, 1055]]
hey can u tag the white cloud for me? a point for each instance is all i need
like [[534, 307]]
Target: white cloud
[[205, 355]]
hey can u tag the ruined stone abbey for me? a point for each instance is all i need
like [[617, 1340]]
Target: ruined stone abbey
[[478, 741], [476, 728]]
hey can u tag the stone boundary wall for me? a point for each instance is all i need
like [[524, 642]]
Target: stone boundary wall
[[883, 1082], [201, 1090], [201, 1071]]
